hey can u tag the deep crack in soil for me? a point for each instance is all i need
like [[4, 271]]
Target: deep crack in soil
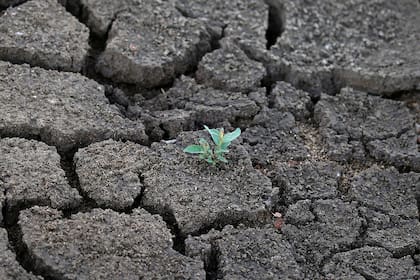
[[23, 257], [169, 218], [68, 165], [276, 21]]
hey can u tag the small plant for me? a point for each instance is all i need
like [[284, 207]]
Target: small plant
[[221, 143]]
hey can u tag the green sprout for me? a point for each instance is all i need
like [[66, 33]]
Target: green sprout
[[221, 143]]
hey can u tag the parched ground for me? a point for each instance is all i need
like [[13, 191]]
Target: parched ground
[[98, 99]]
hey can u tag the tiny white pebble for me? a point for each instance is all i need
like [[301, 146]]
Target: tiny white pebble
[[171, 141]]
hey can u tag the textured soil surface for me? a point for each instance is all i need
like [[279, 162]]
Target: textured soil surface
[[98, 99]]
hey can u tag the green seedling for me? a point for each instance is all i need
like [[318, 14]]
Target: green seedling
[[221, 144]]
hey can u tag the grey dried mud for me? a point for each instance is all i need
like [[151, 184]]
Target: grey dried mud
[[341, 172], [335, 227], [62, 109], [110, 172], [99, 14], [152, 44], [103, 244], [388, 203], [10, 269], [188, 105], [382, 218], [324, 46], [42, 33], [308, 180], [287, 98], [244, 22], [370, 263], [176, 184], [228, 68], [246, 254], [274, 137], [30, 174], [354, 124]]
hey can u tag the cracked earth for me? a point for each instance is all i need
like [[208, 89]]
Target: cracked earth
[[98, 98]]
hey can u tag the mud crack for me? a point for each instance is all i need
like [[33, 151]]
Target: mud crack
[[276, 22]]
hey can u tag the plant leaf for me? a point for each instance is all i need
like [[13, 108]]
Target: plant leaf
[[214, 133], [220, 150], [229, 137], [194, 149], [221, 158], [203, 142], [224, 146]]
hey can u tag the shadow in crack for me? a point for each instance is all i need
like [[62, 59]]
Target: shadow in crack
[[276, 21]]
